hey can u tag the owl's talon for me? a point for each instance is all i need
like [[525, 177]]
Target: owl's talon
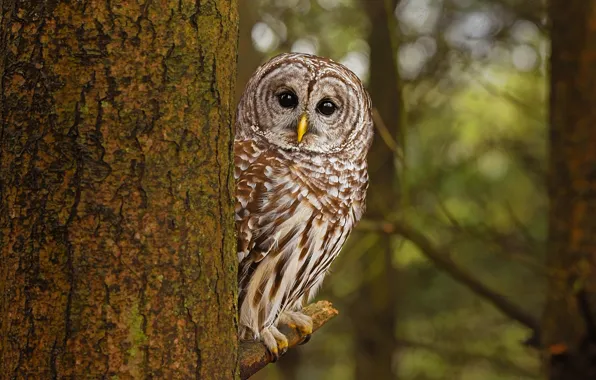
[[298, 321], [275, 342], [305, 340], [274, 355]]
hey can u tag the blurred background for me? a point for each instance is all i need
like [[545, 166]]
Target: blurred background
[[442, 277]]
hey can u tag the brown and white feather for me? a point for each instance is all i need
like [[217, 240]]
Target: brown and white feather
[[296, 204]]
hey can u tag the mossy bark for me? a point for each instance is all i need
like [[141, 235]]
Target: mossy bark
[[116, 222], [569, 321]]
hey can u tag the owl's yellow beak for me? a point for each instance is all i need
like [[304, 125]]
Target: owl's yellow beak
[[302, 127]]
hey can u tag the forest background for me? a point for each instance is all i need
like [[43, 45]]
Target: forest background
[[460, 90]]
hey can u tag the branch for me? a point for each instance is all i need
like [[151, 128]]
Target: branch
[[509, 244], [386, 135], [451, 354], [494, 90], [442, 259], [254, 355]]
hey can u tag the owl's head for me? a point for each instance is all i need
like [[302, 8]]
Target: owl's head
[[306, 103]]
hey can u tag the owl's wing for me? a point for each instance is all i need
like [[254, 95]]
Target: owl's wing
[[250, 182], [257, 172], [265, 199]]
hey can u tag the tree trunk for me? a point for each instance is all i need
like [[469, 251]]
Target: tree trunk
[[569, 322], [116, 226], [375, 324]]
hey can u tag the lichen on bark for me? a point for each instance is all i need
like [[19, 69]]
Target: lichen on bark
[[116, 222]]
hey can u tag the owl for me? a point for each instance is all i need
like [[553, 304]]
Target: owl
[[303, 129]]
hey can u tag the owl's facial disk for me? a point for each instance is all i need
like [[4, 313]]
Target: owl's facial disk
[[304, 127], [302, 113], [307, 103], [301, 102]]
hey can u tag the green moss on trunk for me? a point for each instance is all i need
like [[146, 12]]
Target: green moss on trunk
[[116, 222]]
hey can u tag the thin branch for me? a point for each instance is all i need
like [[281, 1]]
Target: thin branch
[[442, 259], [455, 354], [499, 93], [536, 16], [254, 355], [386, 135], [508, 244]]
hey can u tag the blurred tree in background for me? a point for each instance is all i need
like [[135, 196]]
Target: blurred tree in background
[[445, 279], [569, 320]]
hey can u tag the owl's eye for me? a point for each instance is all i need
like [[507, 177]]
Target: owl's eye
[[288, 99], [326, 107]]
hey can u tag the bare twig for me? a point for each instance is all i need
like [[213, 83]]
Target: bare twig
[[452, 354], [509, 245], [386, 135], [499, 93], [254, 355], [443, 260], [529, 11]]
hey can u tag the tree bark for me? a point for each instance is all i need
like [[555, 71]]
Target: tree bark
[[569, 321], [116, 223], [375, 324]]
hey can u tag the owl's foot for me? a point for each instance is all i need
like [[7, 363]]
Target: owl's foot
[[276, 342], [298, 321]]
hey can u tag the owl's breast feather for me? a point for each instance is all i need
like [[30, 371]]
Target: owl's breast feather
[[332, 187]]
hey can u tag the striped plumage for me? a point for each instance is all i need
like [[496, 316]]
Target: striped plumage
[[297, 197]]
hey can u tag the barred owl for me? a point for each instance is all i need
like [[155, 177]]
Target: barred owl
[[303, 129]]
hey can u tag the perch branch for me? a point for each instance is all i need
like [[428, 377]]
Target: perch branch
[[442, 259], [254, 355]]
